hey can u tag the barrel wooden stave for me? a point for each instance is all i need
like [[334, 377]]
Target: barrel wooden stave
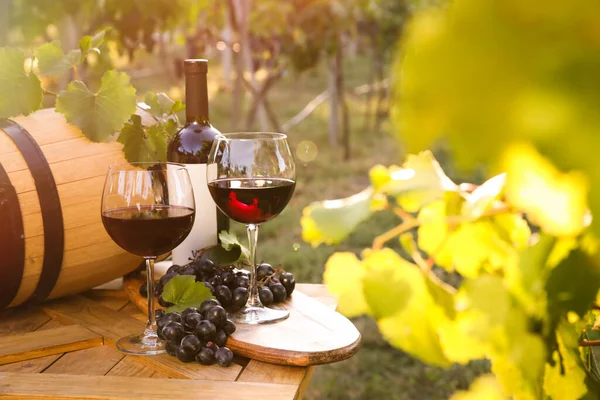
[[78, 167]]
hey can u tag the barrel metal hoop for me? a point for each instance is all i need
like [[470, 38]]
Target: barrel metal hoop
[[49, 205], [12, 241]]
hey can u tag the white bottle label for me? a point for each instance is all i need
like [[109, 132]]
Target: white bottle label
[[204, 231]]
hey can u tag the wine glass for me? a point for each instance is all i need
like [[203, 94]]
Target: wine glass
[[147, 209], [251, 177]]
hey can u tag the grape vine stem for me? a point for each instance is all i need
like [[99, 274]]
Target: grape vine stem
[[409, 222]]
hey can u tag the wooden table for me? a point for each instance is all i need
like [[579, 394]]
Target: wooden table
[[65, 350]]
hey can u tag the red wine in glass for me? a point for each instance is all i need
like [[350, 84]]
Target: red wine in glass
[[252, 200], [150, 229], [147, 209]]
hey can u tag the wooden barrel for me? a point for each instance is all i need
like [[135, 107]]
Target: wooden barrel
[[52, 241]]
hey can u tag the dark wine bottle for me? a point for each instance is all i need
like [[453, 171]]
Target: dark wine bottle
[[191, 146]]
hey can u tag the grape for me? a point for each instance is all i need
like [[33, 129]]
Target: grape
[[191, 343], [160, 334], [215, 281], [209, 287], [220, 338], [288, 282], [144, 289], [173, 269], [170, 317], [242, 281], [263, 271], [207, 267], [217, 315], [224, 357], [192, 320], [189, 270], [229, 279], [229, 327], [188, 311], [242, 273], [206, 356], [223, 295], [158, 314], [266, 296], [240, 297], [205, 330], [164, 303], [207, 305], [173, 331], [165, 279], [279, 293], [171, 348], [184, 354]]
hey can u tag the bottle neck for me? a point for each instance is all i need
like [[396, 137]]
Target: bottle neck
[[196, 99]]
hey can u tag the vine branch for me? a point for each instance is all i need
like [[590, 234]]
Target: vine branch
[[409, 222]]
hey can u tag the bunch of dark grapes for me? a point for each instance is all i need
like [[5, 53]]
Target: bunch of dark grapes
[[229, 285], [197, 333]]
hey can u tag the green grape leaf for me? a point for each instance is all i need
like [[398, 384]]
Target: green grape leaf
[[420, 182], [99, 115], [483, 197], [183, 291], [21, 91], [573, 285], [384, 287], [566, 378], [331, 221], [143, 144], [160, 104], [52, 60], [230, 241], [229, 252], [91, 43], [343, 277], [483, 388], [415, 325]]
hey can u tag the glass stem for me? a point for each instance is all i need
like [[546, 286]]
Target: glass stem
[[253, 299], [151, 328]]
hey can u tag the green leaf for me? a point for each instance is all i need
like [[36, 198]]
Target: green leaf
[[343, 277], [229, 241], [52, 60], [331, 221], [160, 104], [573, 285], [21, 92], [483, 197], [420, 182], [183, 291], [415, 325], [483, 388], [85, 44], [143, 144], [99, 115], [90, 43], [566, 378], [384, 285]]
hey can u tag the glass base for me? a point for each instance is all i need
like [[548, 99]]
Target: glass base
[[259, 315], [141, 345]]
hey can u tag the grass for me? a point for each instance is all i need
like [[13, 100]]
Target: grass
[[378, 371]]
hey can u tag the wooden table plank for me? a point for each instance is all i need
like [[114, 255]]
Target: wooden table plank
[[46, 342], [112, 326], [93, 361], [113, 299], [15, 321], [318, 292], [33, 366], [128, 366], [133, 311], [52, 386]]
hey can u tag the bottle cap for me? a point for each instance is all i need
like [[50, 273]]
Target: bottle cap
[[195, 66]]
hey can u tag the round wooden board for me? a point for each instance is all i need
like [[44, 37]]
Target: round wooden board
[[313, 334]]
